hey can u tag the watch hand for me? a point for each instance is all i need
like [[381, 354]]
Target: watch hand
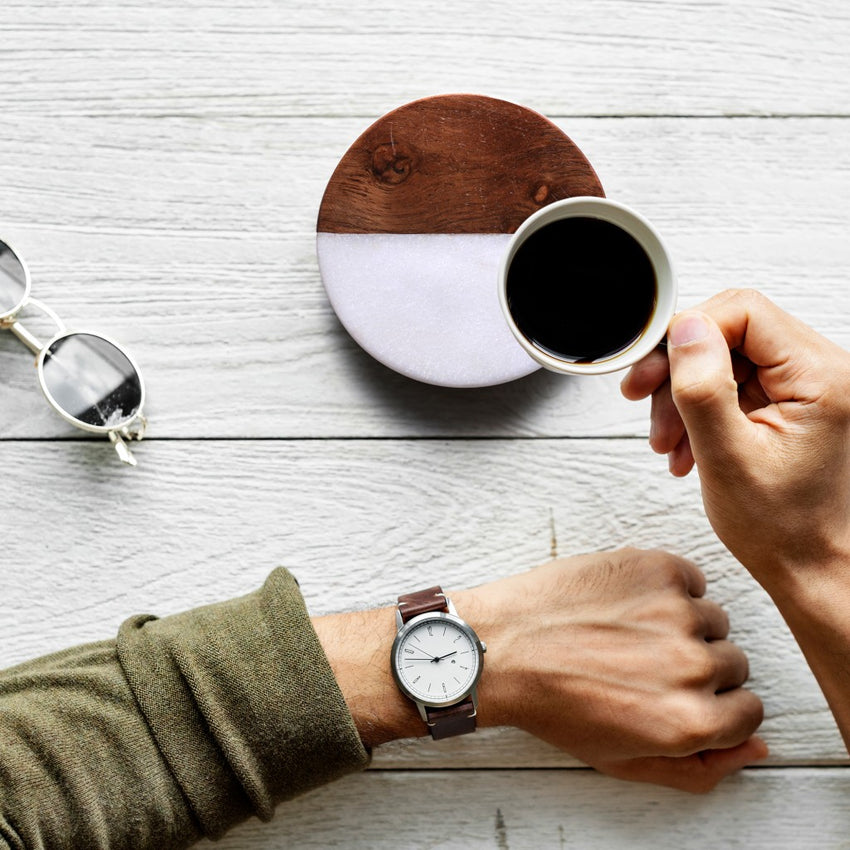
[[420, 659], [441, 657]]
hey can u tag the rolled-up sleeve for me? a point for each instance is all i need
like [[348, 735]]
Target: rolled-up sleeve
[[179, 729]]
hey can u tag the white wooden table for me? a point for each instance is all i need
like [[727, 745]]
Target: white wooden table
[[161, 166]]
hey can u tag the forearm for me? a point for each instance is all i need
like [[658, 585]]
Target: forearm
[[178, 730], [79, 766], [357, 646], [816, 606]]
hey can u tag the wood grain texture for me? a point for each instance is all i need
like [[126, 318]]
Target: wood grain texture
[[763, 808], [453, 164], [86, 545], [331, 57], [193, 243], [161, 168]]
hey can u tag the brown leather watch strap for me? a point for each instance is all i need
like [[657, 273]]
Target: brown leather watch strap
[[454, 720], [411, 605]]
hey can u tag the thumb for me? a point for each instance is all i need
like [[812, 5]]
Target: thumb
[[703, 386]]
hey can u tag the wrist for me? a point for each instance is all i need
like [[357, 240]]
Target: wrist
[[814, 603], [803, 577], [811, 593], [358, 647], [501, 684]]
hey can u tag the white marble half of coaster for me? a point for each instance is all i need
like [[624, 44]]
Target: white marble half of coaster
[[425, 304]]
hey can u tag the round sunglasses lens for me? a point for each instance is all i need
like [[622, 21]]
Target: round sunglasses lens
[[92, 380], [13, 280]]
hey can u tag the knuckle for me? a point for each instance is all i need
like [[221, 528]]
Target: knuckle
[[698, 665], [681, 622], [746, 295], [704, 391], [632, 560], [690, 728], [666, 568], [692, 624]]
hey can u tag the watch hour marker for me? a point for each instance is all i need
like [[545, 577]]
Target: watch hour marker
[[457, 638], [416, 679], [456, 679], [444, 630]]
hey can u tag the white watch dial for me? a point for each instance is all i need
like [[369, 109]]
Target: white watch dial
[[437, 661]]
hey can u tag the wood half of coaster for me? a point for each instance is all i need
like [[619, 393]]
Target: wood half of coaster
[[414, 223]]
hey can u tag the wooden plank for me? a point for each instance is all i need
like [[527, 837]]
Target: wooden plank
[[86, 544], [510, 810], [332, 57], [193, 242]]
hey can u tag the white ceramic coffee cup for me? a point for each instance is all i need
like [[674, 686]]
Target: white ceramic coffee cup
[[647, 237]]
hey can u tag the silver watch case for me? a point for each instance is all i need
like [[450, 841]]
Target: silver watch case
[[436, 616]]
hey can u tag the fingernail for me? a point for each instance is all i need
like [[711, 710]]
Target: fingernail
[[687, 329]]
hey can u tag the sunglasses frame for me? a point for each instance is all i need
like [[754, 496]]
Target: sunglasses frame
[[117, 434], [7, 318], [86, 426]]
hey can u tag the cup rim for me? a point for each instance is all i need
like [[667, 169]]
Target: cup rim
[[640, 229]]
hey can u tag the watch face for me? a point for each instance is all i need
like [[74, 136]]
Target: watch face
[[436, 659]]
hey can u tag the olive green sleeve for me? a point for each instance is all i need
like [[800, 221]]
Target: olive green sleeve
[[178, 730]]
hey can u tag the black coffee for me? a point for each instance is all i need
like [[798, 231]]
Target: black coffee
[[581, 289]]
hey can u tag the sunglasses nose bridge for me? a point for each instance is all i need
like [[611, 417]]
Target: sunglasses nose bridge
[[28, 338]]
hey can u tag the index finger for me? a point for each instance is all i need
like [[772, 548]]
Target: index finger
[[763, 332], [780, 345], [795, 363], [646, 376]]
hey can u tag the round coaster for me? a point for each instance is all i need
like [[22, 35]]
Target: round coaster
[[414, 222]]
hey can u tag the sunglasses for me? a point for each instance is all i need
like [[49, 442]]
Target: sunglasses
[[88, 379]]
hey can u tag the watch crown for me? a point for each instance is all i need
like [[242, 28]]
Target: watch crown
[[483, 646]]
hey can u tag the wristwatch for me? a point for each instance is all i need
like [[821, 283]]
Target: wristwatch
[[437, 661]]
